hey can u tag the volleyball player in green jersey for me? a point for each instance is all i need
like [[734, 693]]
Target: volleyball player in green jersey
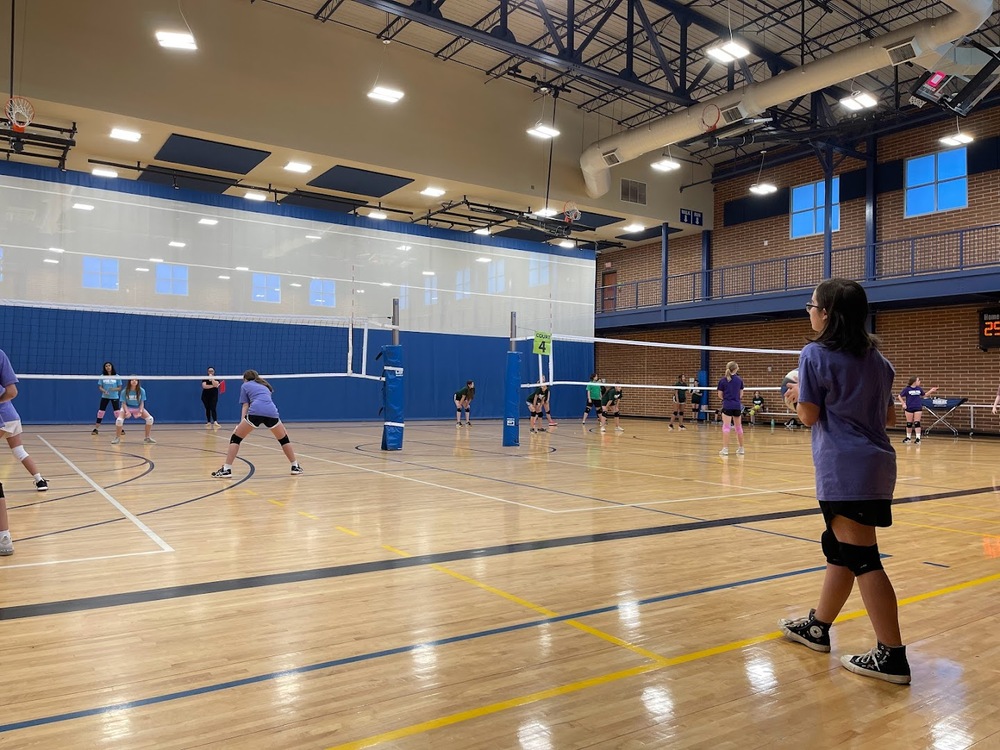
[[609, 406], [677, 404], [463, 402], [593, 398], [537, 402]]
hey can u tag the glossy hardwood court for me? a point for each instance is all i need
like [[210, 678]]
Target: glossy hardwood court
[[580, 591]]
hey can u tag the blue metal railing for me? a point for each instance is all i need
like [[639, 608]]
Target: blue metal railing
[[942, 252]]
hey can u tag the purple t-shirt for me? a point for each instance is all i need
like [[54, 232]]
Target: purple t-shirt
[[731, 391], [852, 454], [259, 398], [7, 377], [913, 395]]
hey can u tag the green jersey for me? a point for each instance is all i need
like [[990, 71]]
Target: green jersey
[[594, 391]]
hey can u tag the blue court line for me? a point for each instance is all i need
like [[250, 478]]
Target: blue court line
[[218, 687]]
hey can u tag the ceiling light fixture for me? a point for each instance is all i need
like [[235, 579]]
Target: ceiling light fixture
[[125, 135], [544, 130], [546, 213], [859, 100], [484, 231], [255, 195], [156, 260], [140, 269], [208, 222], [386, 283], [51, 260], [633, 228], [404, 248], [176, 40], [83, 207], [484, 260], [428, 273], [56, 250], [385, 94], [295, 284], [958, 138], [667, 163], [175, 243], [242, 268], [297, 166], [568, 244], [313, 237], [762, 188], [224, 278], [432, 192], [99, 172], [377, 215], [727, 52]]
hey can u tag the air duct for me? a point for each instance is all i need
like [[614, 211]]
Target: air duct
[[923, 39]]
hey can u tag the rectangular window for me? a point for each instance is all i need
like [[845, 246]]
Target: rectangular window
[[171, 279], [808, 209], [495, 282], [538, 271], [100, 273], [937, 182], [322, 293], [463, 283], [266, 287], [431, 290]]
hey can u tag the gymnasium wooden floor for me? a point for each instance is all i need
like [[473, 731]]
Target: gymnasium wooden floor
[[580, 591]]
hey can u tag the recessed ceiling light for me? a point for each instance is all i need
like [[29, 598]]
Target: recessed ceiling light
[[428, 273], [377, 215], [83, 207], [404, 248], [298, 166], [175, 243], [485, 231], [242, 268], [176, 40], [156, 260], [99, 172], [140, 269], [386, 283], [541, 130], [633, 228], [313, 237], [125, 135], [360, 291], [432, 192], [56, 250], [255, 195], [208, 222], [294, 284], [224, 278], [545, 213], [568, 244], [51, 260], [484, 260], [385, 94]]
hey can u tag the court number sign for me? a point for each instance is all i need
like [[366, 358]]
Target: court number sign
[[543, 343], [989, 328]]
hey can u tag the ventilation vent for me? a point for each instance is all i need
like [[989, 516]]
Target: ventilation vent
[[733, 114], [612, 158], [634, 191], [902, 52]]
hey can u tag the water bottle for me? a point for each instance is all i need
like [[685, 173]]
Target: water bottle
[[772, 422]]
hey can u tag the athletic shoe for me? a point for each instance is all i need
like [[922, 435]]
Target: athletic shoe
[[683, 427], [469, 423], [553, 424], [41, 485], [296, 469], [216, 424], [882, 663], [603, 429], [149, 441], [917, 440], [94, 431], [542, 429], [906, 440], [808, 631], [740, 451], [533, 429], [458, 424], [223, 473], [724, 452], [619, 429], [116, 441], [208, 425], [670, 427], [6, 546]]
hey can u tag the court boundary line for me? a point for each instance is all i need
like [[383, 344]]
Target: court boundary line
[[107, 496], [81, 559]]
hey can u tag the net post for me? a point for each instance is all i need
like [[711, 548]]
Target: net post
[[350, 345], [513, 331], [395, 321]]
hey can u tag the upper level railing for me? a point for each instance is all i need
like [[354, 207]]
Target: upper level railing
[[956, 250]]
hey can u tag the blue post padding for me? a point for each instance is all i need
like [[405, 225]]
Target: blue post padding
[[392, 398], [512, 400]]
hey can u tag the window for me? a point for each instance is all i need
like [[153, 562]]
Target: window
[[463, 283], [495, 283], [538, 271], [266, 287], [171, 279], [808, 209], [936, 182], [322, 293], [100, 273], [431, 290]]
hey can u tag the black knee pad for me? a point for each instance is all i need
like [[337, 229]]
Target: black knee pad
[[831, 548], [909, 425], [234, 438], [284, 441], [860, 560], [917, 424]]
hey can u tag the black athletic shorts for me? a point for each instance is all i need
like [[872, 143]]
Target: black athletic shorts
[[732, 412], [865, 512], [258, 421]]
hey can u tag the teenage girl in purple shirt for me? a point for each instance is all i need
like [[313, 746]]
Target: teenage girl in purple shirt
[[731, 391], [911, 399]]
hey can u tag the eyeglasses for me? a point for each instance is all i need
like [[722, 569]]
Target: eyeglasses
[[811, 306]]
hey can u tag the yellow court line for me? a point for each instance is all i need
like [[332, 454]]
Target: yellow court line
[[979, 534], [347, 531], [307, 515], [396, 551], [275, 502], [623, 674]]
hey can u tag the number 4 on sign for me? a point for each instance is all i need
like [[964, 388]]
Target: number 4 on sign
[[543, 343]]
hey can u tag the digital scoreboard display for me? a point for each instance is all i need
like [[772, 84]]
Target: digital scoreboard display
[[989, 328]]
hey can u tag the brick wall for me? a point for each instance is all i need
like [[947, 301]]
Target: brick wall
[[641, 263]]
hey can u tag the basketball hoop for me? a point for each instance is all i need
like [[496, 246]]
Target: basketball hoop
[[570, 212], [710, 117], [19, 113]]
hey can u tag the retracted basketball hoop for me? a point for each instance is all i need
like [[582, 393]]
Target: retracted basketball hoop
[[19, 113], [571, 213]]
